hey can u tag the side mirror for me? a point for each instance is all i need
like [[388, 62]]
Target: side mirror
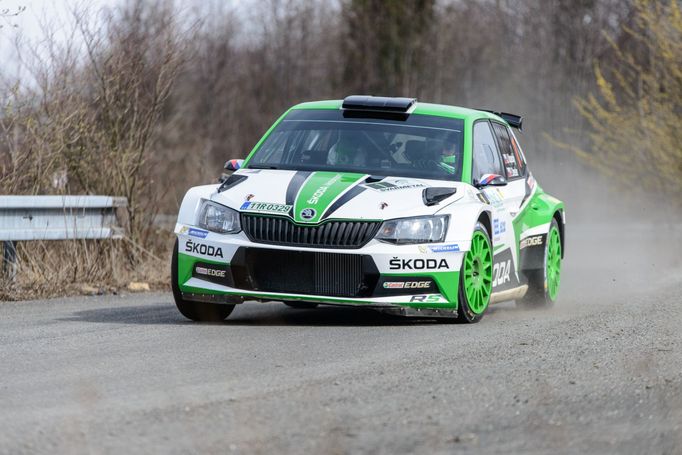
[[233, 165], [490, 180]]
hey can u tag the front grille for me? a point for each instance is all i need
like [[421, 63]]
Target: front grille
[[331, 234], [304, 272]]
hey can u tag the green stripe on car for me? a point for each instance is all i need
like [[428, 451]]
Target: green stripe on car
[[319, 192]]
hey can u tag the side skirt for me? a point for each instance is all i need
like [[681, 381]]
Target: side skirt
[[509, 294]]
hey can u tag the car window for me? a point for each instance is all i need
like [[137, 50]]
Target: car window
[[511, 158], [486, 160], [276, 146], [518, 153], [420, 146]]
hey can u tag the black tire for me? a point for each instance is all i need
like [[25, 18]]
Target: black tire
[[196, 311], [301, 305], [538, 296], [464, 313]]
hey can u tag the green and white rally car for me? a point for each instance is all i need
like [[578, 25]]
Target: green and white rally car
[[412, 208]]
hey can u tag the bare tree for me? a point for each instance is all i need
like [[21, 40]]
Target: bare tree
[[148, 98]]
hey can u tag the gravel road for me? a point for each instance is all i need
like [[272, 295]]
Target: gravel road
[[599, 373]]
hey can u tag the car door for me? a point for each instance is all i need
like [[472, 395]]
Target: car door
[[487, 160]]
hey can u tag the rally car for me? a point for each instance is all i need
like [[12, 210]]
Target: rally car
[[411, 208]]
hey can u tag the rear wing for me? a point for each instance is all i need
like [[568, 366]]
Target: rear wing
[[515, 121]]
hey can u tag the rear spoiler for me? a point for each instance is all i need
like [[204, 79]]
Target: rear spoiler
[[515, 121]]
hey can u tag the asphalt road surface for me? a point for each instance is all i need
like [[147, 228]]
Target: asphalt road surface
[[600, 373]]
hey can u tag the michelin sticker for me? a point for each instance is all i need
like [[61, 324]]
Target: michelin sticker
[[194, 232], [444, 248]]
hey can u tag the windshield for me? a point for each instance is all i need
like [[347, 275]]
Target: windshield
[[414, 145]]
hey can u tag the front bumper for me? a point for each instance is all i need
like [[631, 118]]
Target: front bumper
[[232, 268]]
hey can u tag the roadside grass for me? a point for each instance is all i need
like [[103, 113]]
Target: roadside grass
[[87, 267]]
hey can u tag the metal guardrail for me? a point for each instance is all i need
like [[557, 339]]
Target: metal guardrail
[[24, 218]]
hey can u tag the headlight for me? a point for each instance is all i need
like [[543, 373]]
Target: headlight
[[427, 229], [218, 218]]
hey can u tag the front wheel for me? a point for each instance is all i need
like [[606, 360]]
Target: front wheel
[[196, 311], [543, 284], [475, 278]]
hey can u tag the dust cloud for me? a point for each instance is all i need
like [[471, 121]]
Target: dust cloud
[[620, 241]]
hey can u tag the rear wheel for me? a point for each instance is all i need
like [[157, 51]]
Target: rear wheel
[[475, 277], [543, 284], [196, 311]]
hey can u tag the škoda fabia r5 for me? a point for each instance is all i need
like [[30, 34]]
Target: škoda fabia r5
[[414, 209]]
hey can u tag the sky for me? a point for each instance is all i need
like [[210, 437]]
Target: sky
[[28, 24], [29, 21]]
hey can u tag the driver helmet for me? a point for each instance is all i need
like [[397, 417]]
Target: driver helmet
[[347, 150], [448, 153]]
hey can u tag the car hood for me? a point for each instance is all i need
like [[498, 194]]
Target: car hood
[[313, 197]]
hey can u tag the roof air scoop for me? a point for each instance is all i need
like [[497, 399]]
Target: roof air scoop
[[377, 103]]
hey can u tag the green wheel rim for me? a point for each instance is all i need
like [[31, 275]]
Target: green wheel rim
[[478, 273], [553, 263]]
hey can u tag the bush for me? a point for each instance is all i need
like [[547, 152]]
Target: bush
[[635, 116]]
